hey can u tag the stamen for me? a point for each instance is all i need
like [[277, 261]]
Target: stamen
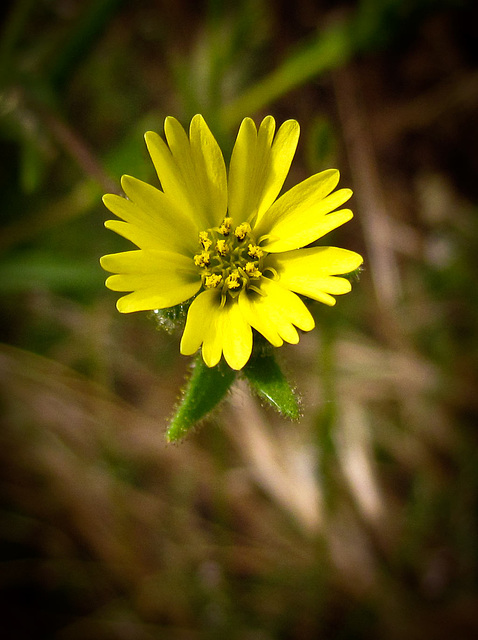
[[242, 230], [254, 251], [205, 240], [202, 259], [230, 261], [232, 281], [252, 270], [225, 226], [222, 248], [212, 281]]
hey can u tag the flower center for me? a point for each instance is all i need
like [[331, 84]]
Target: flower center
[[229, 259]]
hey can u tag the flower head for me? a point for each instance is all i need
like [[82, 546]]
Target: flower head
[[226, 239]]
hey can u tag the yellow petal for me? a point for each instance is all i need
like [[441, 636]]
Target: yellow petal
[[212, 336], [259, 166], [218, 329], [150, 210], [164, 282], [158, 279], [213, 340], [209, 170], [148, 261], [154, 298], [311, 272], [236, 335], [300, 217], [247, 167], [299, 198], [277, 310], [228, 333], [292, 235], [316, 262], [253, 313], [192, 171], [137, 235], [179, 146], [200, 316], [169, 173], [289, 305]]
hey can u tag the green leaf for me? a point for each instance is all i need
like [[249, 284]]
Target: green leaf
[[204, 390], [267, 380]]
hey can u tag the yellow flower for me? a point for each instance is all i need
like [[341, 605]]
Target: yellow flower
[[227, 239]]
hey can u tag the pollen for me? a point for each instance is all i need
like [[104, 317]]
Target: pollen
[[252, 271], [202, 259], [254, 251], [242, 230], [212, 281], [229, 259], [205, 240], [222, 247], [225, 226], [232, 281]]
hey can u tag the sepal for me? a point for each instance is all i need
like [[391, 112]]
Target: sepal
[[270, 384], [204, 390]]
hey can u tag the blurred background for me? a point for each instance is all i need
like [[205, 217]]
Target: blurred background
[[357, 522]]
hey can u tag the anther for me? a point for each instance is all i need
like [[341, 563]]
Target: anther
[[252, 271], [242, 230], [212, 281], [254, 251], [230, 259], [202, 259], [225, 226], [222, 248], [232, 281], [204, 240]]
